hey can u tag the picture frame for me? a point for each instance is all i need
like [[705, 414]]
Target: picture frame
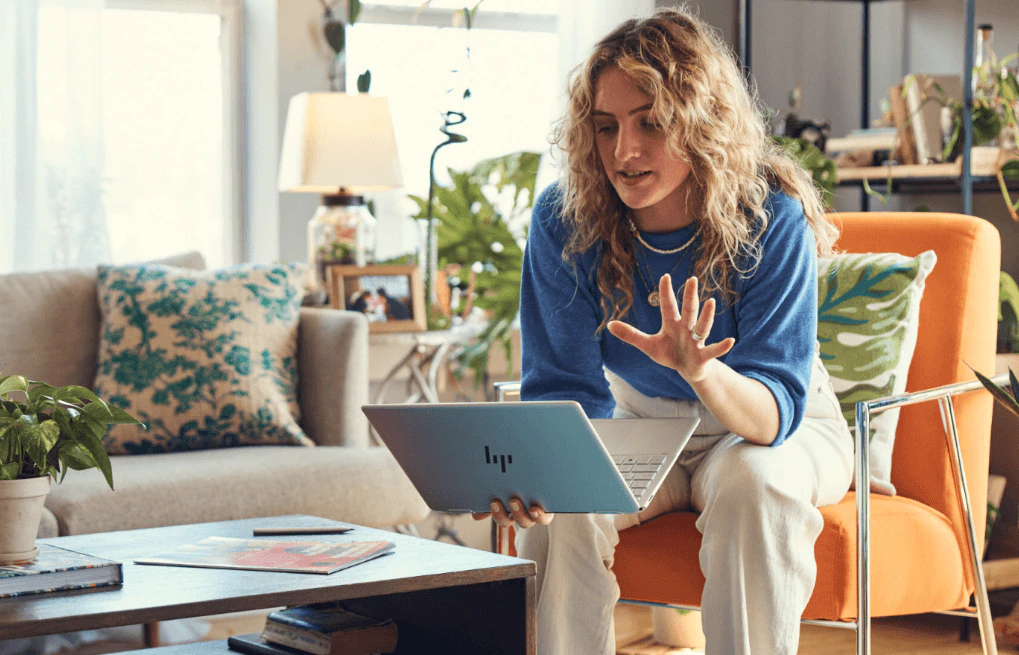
[[392, 297]]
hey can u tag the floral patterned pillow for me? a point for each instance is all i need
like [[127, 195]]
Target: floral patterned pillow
[[867, 319], [206, 359]]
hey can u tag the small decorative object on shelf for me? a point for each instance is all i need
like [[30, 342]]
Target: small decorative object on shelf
[[44, 432], [391, 297]]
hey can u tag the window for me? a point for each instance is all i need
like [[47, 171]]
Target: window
[[170, 117], [512, 76]]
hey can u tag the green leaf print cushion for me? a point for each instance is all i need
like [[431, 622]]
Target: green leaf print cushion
[[206, 359], [867, 318]]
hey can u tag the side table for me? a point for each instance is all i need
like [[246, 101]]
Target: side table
[[427, 354]]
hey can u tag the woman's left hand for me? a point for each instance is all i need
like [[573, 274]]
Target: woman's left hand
[[674, 345]]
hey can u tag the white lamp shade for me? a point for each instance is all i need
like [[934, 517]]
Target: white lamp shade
[[335, 140]]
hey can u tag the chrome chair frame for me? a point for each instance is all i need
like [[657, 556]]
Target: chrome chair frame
[[864, 410]]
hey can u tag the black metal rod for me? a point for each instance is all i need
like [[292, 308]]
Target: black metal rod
[[744, 36], [865, 88], [967, 109], [865, 69]]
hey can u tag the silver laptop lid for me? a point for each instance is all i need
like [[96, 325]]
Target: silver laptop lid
[[460, 456]]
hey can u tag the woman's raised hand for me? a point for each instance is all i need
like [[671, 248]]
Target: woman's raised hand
[[680, 343]]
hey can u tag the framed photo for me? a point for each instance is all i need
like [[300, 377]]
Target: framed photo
[[391, 297]]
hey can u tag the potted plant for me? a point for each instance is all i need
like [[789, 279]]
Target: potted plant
[[995, 121], [44, 431]]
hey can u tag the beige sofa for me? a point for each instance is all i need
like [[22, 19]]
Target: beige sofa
[[49, 324]]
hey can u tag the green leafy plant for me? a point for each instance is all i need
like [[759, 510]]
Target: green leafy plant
[[482, 223], [47, 430], [1008, 314], [1004, 397], [817, 164], [995, 115]]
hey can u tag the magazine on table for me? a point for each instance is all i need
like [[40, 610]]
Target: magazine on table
[[271, 554]]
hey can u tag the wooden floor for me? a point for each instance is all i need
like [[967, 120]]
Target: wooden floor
[[927, 634]]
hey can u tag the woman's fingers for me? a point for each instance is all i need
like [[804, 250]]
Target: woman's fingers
[[716, 350], [690, 302], [667, 298], [631, 335], [539, 515], [480, 516], [500, 515], [706, 320], [520, 514]]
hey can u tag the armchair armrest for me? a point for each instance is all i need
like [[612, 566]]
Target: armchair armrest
[[333, 372], [864, 410]]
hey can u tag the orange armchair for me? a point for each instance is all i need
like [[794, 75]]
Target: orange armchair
[[920, 552]]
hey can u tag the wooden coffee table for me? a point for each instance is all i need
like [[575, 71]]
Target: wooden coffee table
[[460, 599]]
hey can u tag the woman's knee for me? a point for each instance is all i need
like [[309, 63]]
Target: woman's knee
[[752, 478]]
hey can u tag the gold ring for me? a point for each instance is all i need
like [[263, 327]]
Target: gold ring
[[697, 337]]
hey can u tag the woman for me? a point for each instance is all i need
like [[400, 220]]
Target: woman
[[669, 174]]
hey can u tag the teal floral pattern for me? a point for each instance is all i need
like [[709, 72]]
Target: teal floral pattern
[[206, 359], [867, 319]]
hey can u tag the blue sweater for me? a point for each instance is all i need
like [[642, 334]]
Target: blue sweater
[[774, 319]]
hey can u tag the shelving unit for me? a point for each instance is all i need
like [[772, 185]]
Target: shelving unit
[[939, 178]]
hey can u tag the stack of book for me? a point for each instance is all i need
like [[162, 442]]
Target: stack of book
[[320, 629], [58, 569]]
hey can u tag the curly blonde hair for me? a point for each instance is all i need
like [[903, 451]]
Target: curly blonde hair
[[713, 121]]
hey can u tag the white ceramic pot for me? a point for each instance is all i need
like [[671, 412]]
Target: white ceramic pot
[[21, 504], [677, 629]]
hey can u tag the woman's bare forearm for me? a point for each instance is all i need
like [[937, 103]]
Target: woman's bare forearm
[[743, 405]]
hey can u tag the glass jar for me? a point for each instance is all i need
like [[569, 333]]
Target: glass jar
[[342, 231]]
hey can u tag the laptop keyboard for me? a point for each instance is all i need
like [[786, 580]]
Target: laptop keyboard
[[638, 470]]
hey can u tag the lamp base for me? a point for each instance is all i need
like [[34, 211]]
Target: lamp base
[[342, 231]]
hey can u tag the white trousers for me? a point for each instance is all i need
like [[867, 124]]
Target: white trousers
[[758, 514]]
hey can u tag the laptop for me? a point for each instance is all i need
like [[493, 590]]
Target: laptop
[[461, 456]]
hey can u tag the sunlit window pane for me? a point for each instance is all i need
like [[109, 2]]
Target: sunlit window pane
[[513, 83], [163, 121]]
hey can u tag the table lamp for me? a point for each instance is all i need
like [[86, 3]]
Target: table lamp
[[340, 146]]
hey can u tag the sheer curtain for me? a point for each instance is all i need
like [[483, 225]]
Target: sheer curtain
[[51, 140]]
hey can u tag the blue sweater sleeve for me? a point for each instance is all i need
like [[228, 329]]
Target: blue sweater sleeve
[[559, 314], [776, 313]]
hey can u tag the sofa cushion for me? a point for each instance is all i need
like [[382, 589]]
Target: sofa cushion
[[206, 359], [867, 321], [364, 486], [658, 561], [50, 323]]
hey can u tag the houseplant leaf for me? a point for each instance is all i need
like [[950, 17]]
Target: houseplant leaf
[[76, 394], [13, 383], [10, 471], [94, 445], [999, 394], [76, 456]]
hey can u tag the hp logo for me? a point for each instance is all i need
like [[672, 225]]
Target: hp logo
[[498, 459]]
